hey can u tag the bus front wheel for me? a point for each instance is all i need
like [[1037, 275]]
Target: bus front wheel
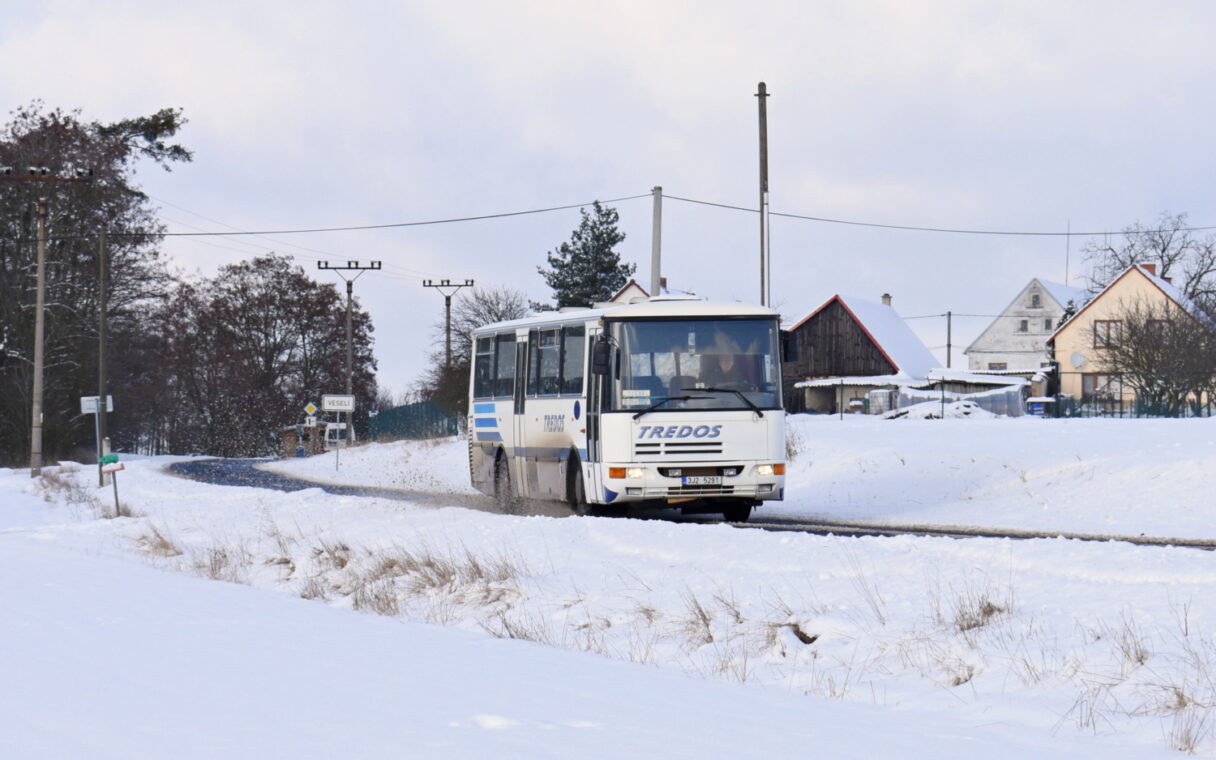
[[578, 489], [737, 513]]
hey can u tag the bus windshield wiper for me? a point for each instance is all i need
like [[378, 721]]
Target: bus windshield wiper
[[665, 399], [735, 391]]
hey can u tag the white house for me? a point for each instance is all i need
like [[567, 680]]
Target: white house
[[1017, 339]]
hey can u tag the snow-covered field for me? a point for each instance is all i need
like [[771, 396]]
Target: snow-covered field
[[499, 636]]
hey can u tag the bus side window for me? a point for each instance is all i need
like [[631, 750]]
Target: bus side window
[[533, 363], [573, 342], [504, 368], [550, 363], [483, 369]]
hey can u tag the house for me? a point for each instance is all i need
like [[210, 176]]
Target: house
[[633, 292], [1079, 343], [1016, 341], [848, 348]]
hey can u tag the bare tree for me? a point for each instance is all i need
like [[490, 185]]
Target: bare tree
[[1162, 352], [1188, 261]]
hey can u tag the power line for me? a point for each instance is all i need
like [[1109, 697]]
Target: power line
[[956, 231], [355, 228]]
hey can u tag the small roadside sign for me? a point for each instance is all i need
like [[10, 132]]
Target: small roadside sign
[[108, 468], [310, 421], [88, 404], [338, 403], [310, 410]]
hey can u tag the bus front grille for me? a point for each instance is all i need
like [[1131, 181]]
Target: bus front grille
[[677, 491], [643, 449]]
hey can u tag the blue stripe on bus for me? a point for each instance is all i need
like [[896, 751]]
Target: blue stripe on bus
[[609, 496], [483, 408], [489, 437], [483, 422]]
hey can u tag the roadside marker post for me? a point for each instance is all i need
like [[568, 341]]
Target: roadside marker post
[[110, 466], [339, 404]]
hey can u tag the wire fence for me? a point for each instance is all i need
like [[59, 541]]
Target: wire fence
[[1165, 394], [419, 420]]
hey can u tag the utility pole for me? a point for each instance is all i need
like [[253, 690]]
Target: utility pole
[[949, 323], [102, 295], [444, 286], [40, 174], [351, 266], [39, 338], [656, 238], [765, 271]]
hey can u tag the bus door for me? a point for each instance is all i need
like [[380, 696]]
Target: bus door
[[592, 476], [519, 434]]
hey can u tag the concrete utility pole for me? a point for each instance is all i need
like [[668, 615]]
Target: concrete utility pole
[[656, 244], [40, 174], [39, 339], [443, 286], [351, 266], [765, 270], [949, 347]]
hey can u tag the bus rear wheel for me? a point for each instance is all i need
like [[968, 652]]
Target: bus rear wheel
[[503, 493]]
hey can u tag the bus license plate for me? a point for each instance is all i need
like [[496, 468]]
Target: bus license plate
[[702, 480]]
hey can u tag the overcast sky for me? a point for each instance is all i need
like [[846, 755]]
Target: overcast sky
[[1018, 116]]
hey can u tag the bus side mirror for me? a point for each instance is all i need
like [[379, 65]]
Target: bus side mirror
[[599, 356], [789, 347]]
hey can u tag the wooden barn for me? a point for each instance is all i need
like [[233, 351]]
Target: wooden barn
[[848, 348]]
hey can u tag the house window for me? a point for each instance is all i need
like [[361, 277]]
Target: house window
[[1047, 325], [1036, 301], [1095, 386], [1024, 325], [998, 365], [1156, 327], [1107, 333]]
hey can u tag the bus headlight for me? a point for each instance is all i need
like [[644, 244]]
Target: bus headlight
[[635, 472], [768, 470]]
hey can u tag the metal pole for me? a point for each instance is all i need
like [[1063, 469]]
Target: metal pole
[[39, 335], [656, 238], [762, 94], [102, 277]]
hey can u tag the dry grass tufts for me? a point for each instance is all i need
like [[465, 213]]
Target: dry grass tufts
[[223, 563], [697, 624], [974, 609], [60, 485], [154, 541], [334, 555], [378, 597]]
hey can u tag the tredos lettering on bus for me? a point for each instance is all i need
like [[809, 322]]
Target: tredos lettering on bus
[[679, 431]]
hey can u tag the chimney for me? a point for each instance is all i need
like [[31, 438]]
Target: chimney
[[1150, 268], [886, 299]]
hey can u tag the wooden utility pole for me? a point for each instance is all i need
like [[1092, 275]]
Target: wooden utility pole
[[351, 266], [102, 294], [765, 271], [444, 286]]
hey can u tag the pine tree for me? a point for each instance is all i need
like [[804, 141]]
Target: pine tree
[[587, 269]]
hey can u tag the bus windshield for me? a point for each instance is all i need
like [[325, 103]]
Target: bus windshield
[[709, 363]]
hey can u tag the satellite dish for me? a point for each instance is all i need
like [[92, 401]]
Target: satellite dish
[[1077, 360]]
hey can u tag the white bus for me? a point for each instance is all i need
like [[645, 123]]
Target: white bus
[[672, 402]]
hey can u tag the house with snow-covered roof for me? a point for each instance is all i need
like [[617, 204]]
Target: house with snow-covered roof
[[847, 348], [1016, 340], [1080, 343]]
